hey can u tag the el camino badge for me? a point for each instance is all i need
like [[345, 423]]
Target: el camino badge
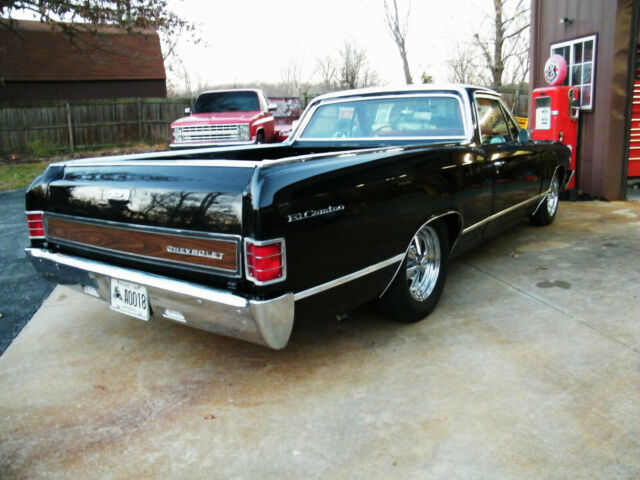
[[295, 217], [192, 252]]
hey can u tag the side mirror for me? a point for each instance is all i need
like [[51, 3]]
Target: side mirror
[[523, 136], [272, 107], [187, 111]]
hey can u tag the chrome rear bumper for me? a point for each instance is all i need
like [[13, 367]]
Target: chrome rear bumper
[[267, 322]]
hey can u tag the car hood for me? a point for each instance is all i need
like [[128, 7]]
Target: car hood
[[213, 118]]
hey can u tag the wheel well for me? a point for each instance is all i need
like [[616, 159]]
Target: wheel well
[[453, 223], [563, 176]]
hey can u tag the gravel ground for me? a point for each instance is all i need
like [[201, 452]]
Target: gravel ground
[[22, 290]]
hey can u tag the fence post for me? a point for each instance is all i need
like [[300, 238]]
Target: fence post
[[70, 126], [139, 105]]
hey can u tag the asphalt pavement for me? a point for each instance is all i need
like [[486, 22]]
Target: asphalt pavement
[[22, 290]]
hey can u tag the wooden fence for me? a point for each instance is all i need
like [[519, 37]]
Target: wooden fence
[[516, 99], [46, 127]]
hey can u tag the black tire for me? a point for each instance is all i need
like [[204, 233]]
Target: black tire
[[410, 298], [260, 137], [546, 211]]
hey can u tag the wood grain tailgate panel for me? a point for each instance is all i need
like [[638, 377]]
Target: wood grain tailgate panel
[[213, 253]]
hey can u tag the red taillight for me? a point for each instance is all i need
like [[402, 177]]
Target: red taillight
[[35, 224], [265, 261]]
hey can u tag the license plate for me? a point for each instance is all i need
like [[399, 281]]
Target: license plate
[[130, 299]]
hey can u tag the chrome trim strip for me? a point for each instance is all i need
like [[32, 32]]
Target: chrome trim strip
[[123, 162], [146, 228], [224, 237], [450, 212], [503, 212], [347, 278], [573, 174], [544, 194], [339, 154]]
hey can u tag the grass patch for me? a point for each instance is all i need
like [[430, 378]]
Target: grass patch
[[20, 175]]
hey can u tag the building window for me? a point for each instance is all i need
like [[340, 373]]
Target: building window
[[580, 55]]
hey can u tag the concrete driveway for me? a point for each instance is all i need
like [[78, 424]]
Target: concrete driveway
[[528, 369]]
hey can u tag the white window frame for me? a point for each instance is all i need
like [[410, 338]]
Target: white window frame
[[570, 64]]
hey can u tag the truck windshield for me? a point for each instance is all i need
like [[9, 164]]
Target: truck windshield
[[399, 117], [215, 102]]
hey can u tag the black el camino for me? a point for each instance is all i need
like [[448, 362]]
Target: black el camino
[[368, 200]]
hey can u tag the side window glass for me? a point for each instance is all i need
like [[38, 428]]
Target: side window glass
[[493, 126]]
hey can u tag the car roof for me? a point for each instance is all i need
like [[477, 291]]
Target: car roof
[[404, 89]]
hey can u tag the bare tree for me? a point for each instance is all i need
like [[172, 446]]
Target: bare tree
[[353, 69], [88, 16], [463, 66], [398, 29], [293, 77], [328, 71], [511, 21]]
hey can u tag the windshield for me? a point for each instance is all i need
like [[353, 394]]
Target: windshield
[[227, 102], [398, 117]]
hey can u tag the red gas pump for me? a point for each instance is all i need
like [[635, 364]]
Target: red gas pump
[[556, 110]]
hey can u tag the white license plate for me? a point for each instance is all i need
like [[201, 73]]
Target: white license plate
[[130, 299]]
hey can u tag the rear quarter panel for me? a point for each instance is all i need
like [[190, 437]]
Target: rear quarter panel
[[373, 204]]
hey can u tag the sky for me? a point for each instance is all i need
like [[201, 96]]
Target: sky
[[245, 41]]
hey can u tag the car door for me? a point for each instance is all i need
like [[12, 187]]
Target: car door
[[516, 166]]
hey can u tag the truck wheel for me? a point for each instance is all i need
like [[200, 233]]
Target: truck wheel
[[415, 291], [546, 211], [260, 137]]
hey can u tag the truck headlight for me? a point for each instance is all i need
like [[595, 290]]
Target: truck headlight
[[177, 134], [243, 132]]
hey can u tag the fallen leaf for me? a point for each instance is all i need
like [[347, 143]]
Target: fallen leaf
[[209, 417], [102, 388]]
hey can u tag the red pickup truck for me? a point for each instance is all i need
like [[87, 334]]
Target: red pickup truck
[[234, 117]]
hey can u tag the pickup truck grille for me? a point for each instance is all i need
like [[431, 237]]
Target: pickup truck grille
[[209, 133], [192, 250]]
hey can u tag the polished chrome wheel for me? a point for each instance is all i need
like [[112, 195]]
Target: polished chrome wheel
[[553, 195], [423, 263]]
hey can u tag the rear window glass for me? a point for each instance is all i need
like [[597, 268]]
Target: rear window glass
[[408, 117]]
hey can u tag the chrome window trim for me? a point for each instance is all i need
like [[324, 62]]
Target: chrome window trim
[[403, 255], [505, 112], [462, 100], [347, 278], [260, 243], [225, 237]]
